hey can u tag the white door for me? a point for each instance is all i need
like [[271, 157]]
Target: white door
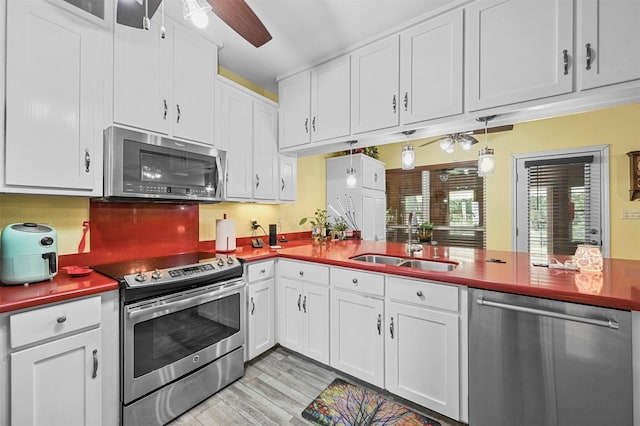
[[265, 151], [288, 178], [422, 358], [58, 383], [141, 77], [261, 312], [374, 215], [330, 97], [294, 94], [55, 72], [236, 134], [357, 339], [608, 42], [290, 317], [374, 86], [518, 51], [431, 69], [315, 307], [195, 67]]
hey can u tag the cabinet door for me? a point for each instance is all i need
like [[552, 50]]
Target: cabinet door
[[315, 307], [330, 94], [374, 215], [374, 86], [357, 339], [431, 69], [288, 178], [290, 317], [373, 174], [55, 77], [261, 309], [142, 65], [58, 383], [510, 58], [235, 122], [265, 151], [195, 67], [608, 42], [294, 95], [422, 358]]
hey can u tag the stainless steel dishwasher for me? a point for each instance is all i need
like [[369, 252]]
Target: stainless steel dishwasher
[[542, 362]]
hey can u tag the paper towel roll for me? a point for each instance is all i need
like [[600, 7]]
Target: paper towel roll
[[225, 235]]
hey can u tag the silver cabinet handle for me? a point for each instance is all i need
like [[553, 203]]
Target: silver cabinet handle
[[282, 180], [588, 48], [61, 319], [87, 160], [306, 125], [95, 364], [262, 271], [419, 293], [299, 299], [406, 101], [166, 110], [391, 327], [257, 181], [355, 281], [375, 177], [379, 324], [602, 323], [253, 306], [394, 103], [178, 111], [304, 305], [313, 123], [301, 273], [565, 55]]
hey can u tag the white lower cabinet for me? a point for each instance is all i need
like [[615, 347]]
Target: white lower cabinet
[[303, 308], [260, 308]]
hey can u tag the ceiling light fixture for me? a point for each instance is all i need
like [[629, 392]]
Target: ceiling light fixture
[[465, 140], [486, 160], [408, 156], [352, 179], [196, 11]]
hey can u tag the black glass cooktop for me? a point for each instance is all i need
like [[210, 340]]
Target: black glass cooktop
[[118, 270]]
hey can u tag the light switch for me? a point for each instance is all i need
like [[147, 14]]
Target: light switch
[[631, 214]]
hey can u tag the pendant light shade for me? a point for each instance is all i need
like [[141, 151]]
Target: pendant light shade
[[196, 11], [408, 157], [352, 179], [486, 162]]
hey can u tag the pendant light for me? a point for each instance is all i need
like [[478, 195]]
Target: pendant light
[[352, 179], [196, 11], [408, 156], [486, 160]]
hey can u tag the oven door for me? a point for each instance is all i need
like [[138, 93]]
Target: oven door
[[167, 337]]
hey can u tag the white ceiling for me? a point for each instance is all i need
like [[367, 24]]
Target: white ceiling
[[306, 32]]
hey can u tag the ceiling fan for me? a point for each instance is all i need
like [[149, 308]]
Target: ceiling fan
[[465, 139], [237, 14]]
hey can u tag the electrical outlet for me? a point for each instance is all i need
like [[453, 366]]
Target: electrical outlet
[[630, 214], [254, 224]]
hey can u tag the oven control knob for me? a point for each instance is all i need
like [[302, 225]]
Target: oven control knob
[[220, 262], [230, 261], [156, 275], [141, 277]]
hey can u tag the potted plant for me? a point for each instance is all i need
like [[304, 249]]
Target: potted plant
[[425, 232], [319, 223], [339, 229]]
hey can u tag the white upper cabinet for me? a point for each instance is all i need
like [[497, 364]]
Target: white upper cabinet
[[165, 85], [266, 162], [608, 42], [288, 178], [431, 55], [518, 51], [56, 77], [314, 105], [375, 74]]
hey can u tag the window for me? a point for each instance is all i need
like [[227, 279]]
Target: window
[[559, 202], [451, 196]]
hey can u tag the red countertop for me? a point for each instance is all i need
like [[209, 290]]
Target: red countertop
[[617, 286]]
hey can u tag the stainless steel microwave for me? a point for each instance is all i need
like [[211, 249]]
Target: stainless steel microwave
[[145, 166]]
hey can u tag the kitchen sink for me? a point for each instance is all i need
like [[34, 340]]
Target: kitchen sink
[[425, 265]]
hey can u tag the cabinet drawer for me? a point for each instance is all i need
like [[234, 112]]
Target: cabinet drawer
[[304, 271], [43, 323], [363, 282], [260, 271], [424, 293]]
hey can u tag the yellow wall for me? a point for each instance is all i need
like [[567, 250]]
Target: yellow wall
[[616, 127]]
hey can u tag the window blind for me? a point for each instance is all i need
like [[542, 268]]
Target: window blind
[[562, 200]]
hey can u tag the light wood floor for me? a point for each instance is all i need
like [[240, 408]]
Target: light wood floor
[[275, 389]]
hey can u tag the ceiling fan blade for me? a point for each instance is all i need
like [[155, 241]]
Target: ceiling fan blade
[[493, 129], [130, 13], [239, 16]]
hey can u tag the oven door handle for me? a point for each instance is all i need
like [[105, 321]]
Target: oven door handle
[[159, 310]]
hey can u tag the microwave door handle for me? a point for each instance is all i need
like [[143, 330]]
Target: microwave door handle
[[220, 177]]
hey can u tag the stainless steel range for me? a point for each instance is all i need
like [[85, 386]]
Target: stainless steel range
[[181, 332]]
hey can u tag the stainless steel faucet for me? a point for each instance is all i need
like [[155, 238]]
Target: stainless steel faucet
[[435, 249], [411, 247]]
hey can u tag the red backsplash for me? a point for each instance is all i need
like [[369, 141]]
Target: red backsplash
[[125, 231]]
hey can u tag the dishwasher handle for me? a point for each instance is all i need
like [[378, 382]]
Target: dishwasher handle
[[602, 323]]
